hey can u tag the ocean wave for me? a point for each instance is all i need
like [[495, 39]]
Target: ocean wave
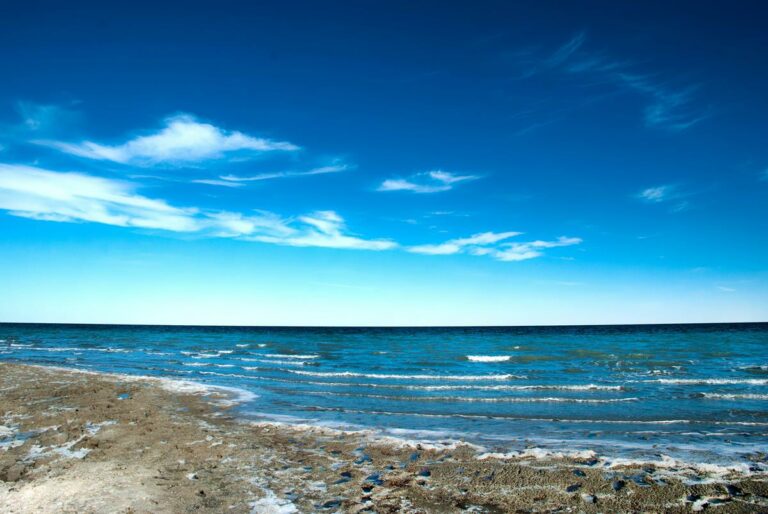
[[711, 381], [57, 350], [208, 364], [275, 362], [504, 399], [505, 376], [745, 396], [488, 358], [536, 387], [290, 356], [232, 395]]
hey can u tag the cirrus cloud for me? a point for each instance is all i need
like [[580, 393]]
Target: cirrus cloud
[[182, 140], [40, 194], [494, 245], [427, 182]]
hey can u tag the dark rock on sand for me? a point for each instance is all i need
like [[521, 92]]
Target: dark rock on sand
[[572, 488], [618, 485], [331, 504], [579, 473], [425, 472]]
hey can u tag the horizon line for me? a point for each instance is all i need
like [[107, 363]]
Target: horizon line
[[93, 324]]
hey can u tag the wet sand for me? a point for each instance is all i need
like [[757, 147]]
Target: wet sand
[[80, 442]]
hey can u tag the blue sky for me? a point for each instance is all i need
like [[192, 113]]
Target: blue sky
[[384, 163]]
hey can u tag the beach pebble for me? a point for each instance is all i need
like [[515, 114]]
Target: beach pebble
[[618, 485], [331, 504], [424, 472], [572, 488], [579, 473], [589, 498], [192, 476], [733, 490], [692, 497]]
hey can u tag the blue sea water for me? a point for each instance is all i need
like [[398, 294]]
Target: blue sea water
[[692, 392]]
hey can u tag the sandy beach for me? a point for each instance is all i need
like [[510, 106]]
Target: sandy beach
[[84, 442]]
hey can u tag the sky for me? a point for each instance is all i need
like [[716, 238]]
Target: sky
[[383, 162]]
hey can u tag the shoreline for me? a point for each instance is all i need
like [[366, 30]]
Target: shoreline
[[78, 440]]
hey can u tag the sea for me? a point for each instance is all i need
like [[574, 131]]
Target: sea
[[688, 393]]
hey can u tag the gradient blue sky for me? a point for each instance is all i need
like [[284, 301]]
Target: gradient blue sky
[[383, 162]]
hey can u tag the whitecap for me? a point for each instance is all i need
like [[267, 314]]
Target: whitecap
[[488, 358], [505, 376]]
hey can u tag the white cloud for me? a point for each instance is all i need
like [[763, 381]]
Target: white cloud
[[427, 182], [663, 194], [656, 194], [40, 194], [670, 108], [326, 229], [182, 140], [531, 250], [214, 182], [464, 244], [55, 196], [490, 244], [322, 170]]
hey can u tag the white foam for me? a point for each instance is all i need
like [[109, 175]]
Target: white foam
[[503, 399], [538, 453], [454, 387], [67, 349], [275, 362], [488, 358], [235, 395], [746, 396], [290, 356], [271, 504], [506, 376], [207, 364], [711, 381]]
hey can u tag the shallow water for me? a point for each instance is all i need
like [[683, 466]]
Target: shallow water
[[693, 392]]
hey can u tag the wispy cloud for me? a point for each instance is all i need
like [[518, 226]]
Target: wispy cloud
[[463, 244], [321, 170], [39, 118], [427, 182], [41, 194], [325, 229], [182, 140], [664, 194], [657, 194], [532, 249], [494, 245], [670, 108]]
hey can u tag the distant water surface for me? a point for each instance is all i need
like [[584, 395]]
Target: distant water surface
[[693, 392]]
